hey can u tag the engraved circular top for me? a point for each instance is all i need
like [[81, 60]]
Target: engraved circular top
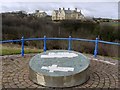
[[59, 63]]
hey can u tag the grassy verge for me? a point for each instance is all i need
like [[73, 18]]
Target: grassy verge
[[114, 58], [10, 49]]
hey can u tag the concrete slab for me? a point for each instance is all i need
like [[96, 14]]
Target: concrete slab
[[59, 68]]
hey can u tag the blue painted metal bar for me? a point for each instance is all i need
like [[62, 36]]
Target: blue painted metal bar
[[106, 42], [79, 39], [57, 38], [8, 41], [22, 48], [44, 43], [30, 39], [69, 43], [96, 47]]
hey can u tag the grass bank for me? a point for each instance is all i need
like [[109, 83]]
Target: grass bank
[[10, 49]]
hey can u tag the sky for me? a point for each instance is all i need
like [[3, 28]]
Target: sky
[[89, 8]]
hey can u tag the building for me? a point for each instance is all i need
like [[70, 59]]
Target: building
[[63, 14], [40, 14]]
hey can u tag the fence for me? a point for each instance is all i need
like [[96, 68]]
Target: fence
[[70, 39]]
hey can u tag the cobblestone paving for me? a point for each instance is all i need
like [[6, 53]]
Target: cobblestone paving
[[16, 71]]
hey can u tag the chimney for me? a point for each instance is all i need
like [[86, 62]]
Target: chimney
[[37, 11], [76, 9], [80, 11], [59, 8], [68, 8], [63, 8]]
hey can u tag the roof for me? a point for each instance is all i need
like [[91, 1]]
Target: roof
[[56, 11], [68, 11], [72, 12]]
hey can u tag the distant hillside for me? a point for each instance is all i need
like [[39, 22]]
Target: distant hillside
[[16, 25]]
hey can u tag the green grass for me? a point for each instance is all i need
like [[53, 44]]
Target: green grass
[[115, 24], [114, 58], [8, 49]]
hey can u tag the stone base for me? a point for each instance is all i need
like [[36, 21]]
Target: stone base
[[59, 68], [59, 81]]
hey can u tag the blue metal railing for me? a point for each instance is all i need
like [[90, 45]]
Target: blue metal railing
[[70, 39]]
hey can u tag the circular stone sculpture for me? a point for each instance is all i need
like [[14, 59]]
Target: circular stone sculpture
[[59, 68]]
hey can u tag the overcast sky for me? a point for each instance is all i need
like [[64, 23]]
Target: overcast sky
[[105, 9]]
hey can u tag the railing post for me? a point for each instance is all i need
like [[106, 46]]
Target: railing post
[[96, 48], [22, 47], [44, 43], [69, 43]]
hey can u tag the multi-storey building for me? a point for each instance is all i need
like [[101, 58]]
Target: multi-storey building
[[63, 14], [40, 14]]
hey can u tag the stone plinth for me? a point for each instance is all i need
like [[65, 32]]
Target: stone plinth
[[59, 68]]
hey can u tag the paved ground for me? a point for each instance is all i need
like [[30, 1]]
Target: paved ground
[[103, 73]]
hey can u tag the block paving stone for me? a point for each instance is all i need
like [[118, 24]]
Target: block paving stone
[[16, 71]]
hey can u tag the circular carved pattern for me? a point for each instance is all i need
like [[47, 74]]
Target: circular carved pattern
[[16, 72]]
